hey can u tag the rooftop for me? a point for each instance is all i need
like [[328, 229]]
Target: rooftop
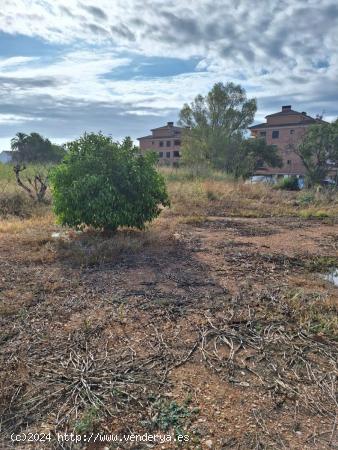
[[170, 127], [288, 111], [289, 124]]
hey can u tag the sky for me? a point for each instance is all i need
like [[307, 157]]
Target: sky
[[125, 66]]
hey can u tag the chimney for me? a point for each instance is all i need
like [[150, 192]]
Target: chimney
[[286, 108], [170, 124]]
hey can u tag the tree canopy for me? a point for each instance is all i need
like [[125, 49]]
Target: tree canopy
[[215, 127], [248, 155], [35, 148], [215, 122], [318, 151], [106, 184]]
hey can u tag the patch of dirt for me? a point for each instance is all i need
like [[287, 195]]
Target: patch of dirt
[[240, 227], [224, 318]]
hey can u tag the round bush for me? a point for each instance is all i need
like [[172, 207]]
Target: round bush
[[289, 184], [106, 184]]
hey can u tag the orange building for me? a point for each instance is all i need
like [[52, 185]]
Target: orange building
[[284, 129], [165, 141]]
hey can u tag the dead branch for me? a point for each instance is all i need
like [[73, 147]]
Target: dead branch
[[39, 184]]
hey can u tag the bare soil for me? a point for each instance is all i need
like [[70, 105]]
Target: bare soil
[[228, 318]]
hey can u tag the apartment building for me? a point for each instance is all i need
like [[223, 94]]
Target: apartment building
[[165, 141], [6, 157], [284, 129]]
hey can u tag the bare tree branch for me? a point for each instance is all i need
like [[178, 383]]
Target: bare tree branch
[[39, 184]]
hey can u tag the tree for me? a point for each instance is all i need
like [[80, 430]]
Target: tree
[[35, 148], [248, 155], [35, 186], [106, 184], [18, 143], [318, 151], [214, 123]]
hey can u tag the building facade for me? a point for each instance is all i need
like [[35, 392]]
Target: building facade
[[284, 129], [6, 157], [165, 141]]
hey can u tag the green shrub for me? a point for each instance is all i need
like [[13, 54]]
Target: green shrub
[[306, 198], [289, 184], [106, 184]]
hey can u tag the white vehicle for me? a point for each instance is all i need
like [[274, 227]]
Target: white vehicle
[[262, 179]]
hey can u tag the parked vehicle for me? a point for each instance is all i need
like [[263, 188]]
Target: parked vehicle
[[328, 182], [262, 179]]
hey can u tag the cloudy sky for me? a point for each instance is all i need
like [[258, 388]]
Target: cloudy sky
[[125, 66]]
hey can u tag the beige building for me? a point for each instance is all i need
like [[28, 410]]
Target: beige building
[[165, 141], [284, 129]]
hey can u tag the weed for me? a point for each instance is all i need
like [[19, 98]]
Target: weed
[[87, 325], [315, 312], [88, 421], [321, 263], [306, 198], [193, 220], [212, 195], [169, 415], [314, 214]]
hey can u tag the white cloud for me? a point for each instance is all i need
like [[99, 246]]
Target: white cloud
[[15, 119], [272, 48], [15, 61]]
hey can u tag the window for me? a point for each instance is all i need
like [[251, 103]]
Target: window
[[289, 161], [160, 154], [152, 142], [168, 154], [262, 133], [275, 134], [176, 154], [168, 143], [177, 132], [161, 143], [292, 131], [177, 142]]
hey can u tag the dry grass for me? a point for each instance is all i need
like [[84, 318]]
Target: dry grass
[[202, 194], [91, 248], [315, 312], [14, 201], [43, 219], [238, 199], [96, 327]]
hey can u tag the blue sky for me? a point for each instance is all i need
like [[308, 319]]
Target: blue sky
[[124, 67]]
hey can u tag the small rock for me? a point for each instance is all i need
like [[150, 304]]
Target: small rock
[[208, 443]]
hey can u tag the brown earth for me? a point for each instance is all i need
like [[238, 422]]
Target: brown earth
[[223, 329]]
